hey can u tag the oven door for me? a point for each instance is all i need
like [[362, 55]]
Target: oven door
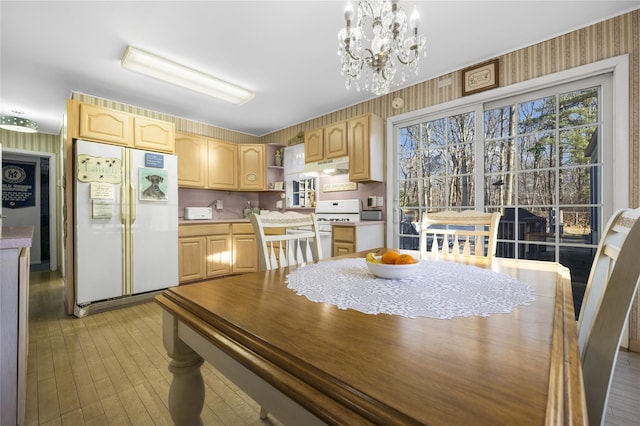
[[325, 241]]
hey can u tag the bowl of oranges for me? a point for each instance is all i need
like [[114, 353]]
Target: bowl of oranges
[[392, 265]]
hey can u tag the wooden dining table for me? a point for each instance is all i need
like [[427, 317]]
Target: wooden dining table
[[314, 363]]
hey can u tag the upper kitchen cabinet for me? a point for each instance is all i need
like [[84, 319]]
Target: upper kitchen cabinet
[[222, 169], [111, 126], [326, 143], [335, 140], [252, 167], [192, 160], [314, 145], [366, 148], [106, 125], [154, 135]]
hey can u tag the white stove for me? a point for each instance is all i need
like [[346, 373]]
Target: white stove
[[328, 211]]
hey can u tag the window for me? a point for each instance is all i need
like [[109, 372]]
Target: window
[[543, 158]]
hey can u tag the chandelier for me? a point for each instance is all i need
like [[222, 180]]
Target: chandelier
[[379, 45]]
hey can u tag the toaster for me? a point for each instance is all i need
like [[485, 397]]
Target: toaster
[[191, 213], [371, 215]]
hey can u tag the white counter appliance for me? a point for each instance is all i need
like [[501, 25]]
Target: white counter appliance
[[126, 221]]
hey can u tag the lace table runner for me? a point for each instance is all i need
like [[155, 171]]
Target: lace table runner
[[441, 290]]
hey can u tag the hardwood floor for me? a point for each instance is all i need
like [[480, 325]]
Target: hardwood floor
[[110, 368]]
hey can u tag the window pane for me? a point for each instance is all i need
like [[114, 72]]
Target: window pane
[[409, 193], [537, 115], [461, 191], [461, 159], [578, 107], [435, 162], [499, 156], [575, 185], [575, 146], [577, 225], [536, 151], [462, 128], [498, 123], [537, 188], [408, 165], [436, 133], [435, 194], [499, 190]]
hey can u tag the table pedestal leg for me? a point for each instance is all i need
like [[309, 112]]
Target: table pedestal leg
[[186, 395]]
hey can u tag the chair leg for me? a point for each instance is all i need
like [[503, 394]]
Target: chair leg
[[263, 413]]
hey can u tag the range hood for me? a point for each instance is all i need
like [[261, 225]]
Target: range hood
[[334, 166]]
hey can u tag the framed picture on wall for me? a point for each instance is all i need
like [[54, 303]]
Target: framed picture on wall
[[481, 77]]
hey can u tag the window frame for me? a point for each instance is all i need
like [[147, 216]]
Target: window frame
[[615, 124]]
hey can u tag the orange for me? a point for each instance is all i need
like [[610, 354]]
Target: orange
[[390, 257], [405, 259]]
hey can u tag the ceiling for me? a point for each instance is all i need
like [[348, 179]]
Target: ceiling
[[285, 51]]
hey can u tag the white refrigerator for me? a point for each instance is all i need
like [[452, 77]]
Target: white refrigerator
[[126, 221]]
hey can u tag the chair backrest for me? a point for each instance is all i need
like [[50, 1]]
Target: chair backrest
[[286, 239], [468, 232], [612, 285]]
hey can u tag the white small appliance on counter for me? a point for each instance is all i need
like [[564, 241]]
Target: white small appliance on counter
[[198, 213]]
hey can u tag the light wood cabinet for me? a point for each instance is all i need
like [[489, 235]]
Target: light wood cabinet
[[326, 143], [366, 148], [222, 164], [245, 249], [215, 249], [351, 239], [335, 140], [121, 128], [314, 145], [360, 138], [192, 160], [191, 259], [105, 125], [252, 168], [153, 135], [219, 255]]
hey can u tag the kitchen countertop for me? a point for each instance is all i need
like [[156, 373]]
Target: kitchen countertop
[[15, 236], [360, 223], [182, 221]]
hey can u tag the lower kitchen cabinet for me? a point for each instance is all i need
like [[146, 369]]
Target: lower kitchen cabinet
[[351, 239], [191, 259], [245, 249], [214, 250]]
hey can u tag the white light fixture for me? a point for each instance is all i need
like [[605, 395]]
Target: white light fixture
[[377, 46], [180, 75], [18, 124]]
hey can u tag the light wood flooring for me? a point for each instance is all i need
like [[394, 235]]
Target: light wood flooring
[[110, 368]]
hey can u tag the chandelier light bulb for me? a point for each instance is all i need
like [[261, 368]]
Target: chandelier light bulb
[[348, 12], [414, 20]]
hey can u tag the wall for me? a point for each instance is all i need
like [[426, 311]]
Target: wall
[[607, 39]]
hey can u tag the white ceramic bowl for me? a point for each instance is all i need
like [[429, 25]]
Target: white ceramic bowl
[[391, 272]]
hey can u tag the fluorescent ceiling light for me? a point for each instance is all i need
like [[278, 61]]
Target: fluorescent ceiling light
[[180, 75]]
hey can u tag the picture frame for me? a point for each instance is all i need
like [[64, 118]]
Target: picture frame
[[480, 77], [278, 186]]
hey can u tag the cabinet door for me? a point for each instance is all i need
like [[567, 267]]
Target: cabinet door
[[192, 160], [359, 149], [252, 167], [343, 248], [245, 254], [218, 255], [191, 255], [222, 164], [155, 135], [314, 145], [335, 140], [106, 125]]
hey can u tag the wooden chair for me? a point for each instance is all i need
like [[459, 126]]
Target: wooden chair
[[467, 233], [277, 248], [611, 287]]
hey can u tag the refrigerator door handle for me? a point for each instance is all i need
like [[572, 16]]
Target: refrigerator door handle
[[123, 205], [132, 194]]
